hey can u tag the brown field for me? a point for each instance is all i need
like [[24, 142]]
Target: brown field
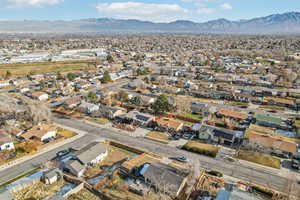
[[46, 67]]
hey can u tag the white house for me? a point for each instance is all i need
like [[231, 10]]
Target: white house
[[4, 83], [91, 154], [6, 142], [42, 96], [41, 133]]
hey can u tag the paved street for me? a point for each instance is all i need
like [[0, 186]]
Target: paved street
[[259, 175], [16, 170]]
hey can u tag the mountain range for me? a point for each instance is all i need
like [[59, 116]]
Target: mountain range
[[286, 23]]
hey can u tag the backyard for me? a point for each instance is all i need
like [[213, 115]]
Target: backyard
[[114, 155], [39, 190]]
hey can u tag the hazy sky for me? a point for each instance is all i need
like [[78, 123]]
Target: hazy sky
[[153, 10]]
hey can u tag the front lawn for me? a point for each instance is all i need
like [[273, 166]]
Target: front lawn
[[101, 121], [259, 158], [158, 136], [201, 148], [66, 133]]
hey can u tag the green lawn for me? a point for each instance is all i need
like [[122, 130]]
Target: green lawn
[[191, 116]]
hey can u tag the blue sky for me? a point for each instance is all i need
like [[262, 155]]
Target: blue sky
[[153, 10]]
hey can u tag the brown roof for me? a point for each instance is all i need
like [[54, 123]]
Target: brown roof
[[169, 123], [4, 137], [233, 114], [281, 100], [38, 131], [37, 94], [73, 100], [138, 161], [272, 141]]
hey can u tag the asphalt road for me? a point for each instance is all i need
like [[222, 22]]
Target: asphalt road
[[258, 175], [26, 166]]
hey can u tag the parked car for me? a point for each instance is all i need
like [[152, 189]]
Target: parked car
[[62, 153], [175, 137], [280, 154], [296, 157], [296, 164], [180, 159]]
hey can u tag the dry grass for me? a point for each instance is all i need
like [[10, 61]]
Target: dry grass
[[101, 121], [259, 158], [84, 194], [114, 155], [46, 67], [158, 135], [200, 148], [66, 133], [199, 145], [39, 191]]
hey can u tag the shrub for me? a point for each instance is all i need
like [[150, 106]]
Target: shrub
[[215, 173]]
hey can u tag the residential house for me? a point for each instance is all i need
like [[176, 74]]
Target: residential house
[[88, 107], [72, 102], [168, 124], [4, 83], [137, 83], [40, 132], [232, 114], [224, 136], [42, 96], [272, 142], [51, 176], [91, 154], [6, 142], [108, 112], [163, 178], [272, 121], [289, 103], [199, 108], [137, 118]]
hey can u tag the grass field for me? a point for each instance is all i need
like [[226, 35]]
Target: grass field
[[200, 148], [259, 158], [191, 116], [46, 67]]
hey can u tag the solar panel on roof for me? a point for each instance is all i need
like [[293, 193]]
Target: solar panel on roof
[[142, 117]]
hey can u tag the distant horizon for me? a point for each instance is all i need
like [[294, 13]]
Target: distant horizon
[[145, 10], [114, 18]]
